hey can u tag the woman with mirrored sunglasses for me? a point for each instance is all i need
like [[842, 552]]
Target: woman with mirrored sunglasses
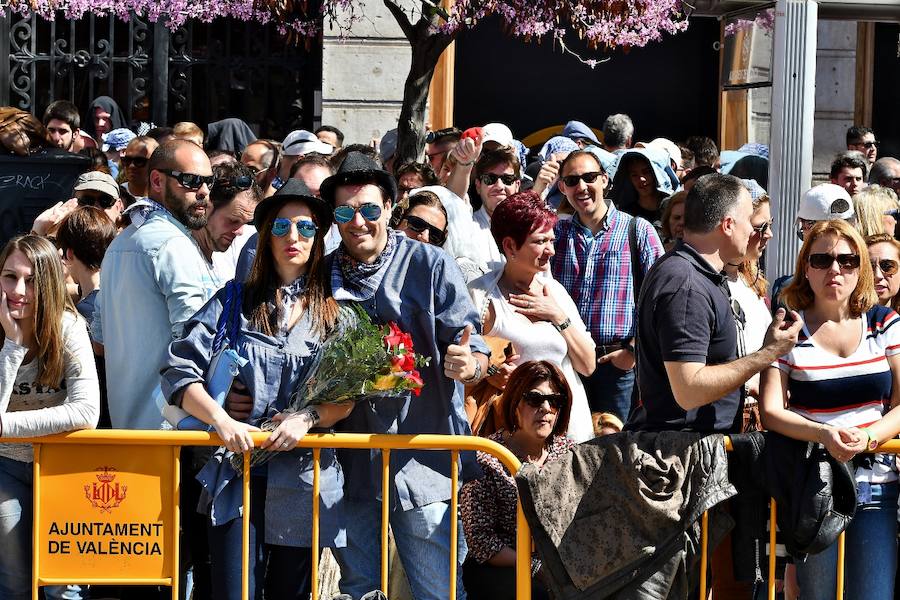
[[533, 415], [884, 255], [425, 219], [286, 310], [840, 386]]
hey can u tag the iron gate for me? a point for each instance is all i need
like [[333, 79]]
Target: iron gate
[[200, 72]]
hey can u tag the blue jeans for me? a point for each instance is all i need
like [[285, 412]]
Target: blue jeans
[[16, 515], [871, 552], [423, 543], [609, 389]]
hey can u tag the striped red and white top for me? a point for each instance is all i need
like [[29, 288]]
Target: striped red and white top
[[847, 392]]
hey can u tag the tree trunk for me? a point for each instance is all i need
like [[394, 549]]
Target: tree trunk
[[427, 45]]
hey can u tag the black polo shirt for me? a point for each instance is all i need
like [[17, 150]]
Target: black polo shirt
[[684, 315]]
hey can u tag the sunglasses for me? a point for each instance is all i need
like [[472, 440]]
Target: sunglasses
[[98, 199], [241, 182], [824, 261], [868, 145], [436, 236], [369, 211], [136, 161], [572, 180], [491, 178], [281, 227], [536, 400], [888, 267], [189, 180], [893, 213], [764, 227]]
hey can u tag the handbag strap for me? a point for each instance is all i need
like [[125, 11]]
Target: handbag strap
[[229, 322]]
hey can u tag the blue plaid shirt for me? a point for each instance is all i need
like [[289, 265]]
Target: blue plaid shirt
[[596, 271]]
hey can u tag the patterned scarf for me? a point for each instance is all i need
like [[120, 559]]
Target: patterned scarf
[[141, 210], [290, 295], [358, 281]]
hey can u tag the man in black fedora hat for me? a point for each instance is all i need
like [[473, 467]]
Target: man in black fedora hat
[[419, 287]]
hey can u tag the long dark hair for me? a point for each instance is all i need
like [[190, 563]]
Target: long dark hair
[[263, 285]]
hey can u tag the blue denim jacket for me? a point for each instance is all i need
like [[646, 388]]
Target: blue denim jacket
[[424, 292], [153, 279], [276, 367]]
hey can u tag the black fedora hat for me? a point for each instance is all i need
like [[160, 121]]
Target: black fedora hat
[[294, 190], [358, 168]]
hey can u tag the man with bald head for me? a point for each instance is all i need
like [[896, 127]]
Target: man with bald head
[[153, 279]]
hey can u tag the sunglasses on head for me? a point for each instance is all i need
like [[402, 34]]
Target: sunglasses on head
[[536, 400], [189, 180], [887, 266], [369, 211], [572, 180], [136, 161], [281, 226], [241, 182], [417, 224], [491, 178], [95, 199], [824, 261], [764, 227]]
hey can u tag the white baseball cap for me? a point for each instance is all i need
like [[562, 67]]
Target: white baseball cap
[[300, 142], [824, 202], [498, 133]]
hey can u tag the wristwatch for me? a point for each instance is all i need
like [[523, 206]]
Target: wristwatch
[[476, 375], [872, 443], [313, 415], [564, 325]]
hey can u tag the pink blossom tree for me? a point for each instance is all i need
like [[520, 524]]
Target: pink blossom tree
[[429, 28]]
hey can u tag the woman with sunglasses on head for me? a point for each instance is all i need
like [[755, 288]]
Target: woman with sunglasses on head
[[884, 255], [48, 384], [747, 286], [533, 414], [285, 312], [840, 386], [522, 303], [425, 219]]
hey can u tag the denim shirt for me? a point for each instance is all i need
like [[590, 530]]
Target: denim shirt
[[276, 367], [424, 292], [155, 278]]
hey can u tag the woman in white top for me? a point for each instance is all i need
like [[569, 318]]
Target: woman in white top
[[48, 384], [522, 303], [747, 285]]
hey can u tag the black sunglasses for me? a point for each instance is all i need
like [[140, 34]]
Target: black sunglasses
[[821, 260], [190, 181], [138, 161], [764, 227], [536, 400], [95, 199], [491, 178], [241, 182], [572, 180], [436, 236]]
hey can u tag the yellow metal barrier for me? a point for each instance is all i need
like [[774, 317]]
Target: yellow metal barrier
[[891, 447], [107, 495]]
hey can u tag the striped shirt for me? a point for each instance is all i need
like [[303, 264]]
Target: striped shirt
[[851, 391], [596, 271]]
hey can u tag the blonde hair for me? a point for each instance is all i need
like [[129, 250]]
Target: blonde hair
[[798, 295], [50, 303], [602, 420], [186, 130], [886, 238], [749, 269], [870, 205]]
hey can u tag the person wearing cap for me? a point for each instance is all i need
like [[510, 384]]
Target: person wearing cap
[[387, 149], [641, 182], [581, 134], [286, 313], [298, 143], [234, 196], [101, 190], [113, 143], [418, 286]]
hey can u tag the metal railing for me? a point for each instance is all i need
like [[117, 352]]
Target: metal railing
[[176, 439]]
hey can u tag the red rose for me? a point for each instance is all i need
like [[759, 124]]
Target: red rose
[[395, 336]]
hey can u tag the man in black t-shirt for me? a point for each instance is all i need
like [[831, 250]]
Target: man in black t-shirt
[[688, 372]]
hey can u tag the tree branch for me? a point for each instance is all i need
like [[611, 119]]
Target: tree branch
[[402, 19]]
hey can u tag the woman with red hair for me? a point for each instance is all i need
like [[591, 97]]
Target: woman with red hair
[[521, 302]]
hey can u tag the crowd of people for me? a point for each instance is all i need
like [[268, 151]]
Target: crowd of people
[[592, 286]]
